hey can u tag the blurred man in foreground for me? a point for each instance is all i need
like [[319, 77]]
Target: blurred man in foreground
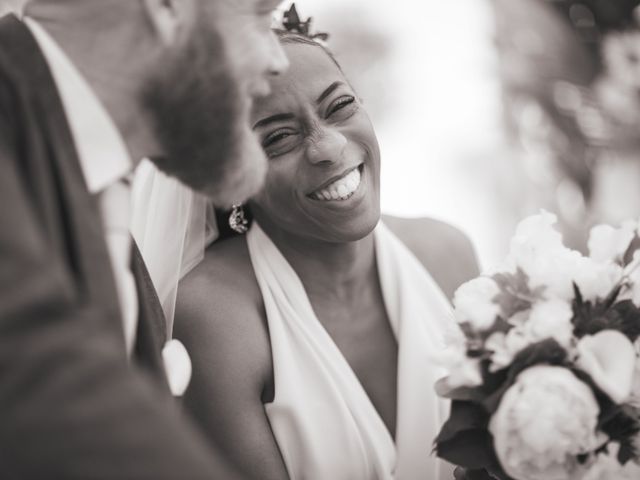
[[88, 87]]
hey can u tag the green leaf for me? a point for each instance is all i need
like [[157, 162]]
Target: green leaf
[[464, 416], [471, 449], [623, 316], [628, 255], [513, 287]]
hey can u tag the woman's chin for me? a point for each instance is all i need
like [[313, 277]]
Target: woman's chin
[[346, 230]]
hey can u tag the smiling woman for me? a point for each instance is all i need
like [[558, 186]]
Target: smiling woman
[[321, 324], [323, 177]]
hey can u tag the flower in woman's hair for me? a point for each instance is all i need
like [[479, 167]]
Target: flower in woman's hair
[[609, 358], [474, 305], [544, 421], [608, 244]]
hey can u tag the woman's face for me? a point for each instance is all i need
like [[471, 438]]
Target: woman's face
[[324, 160]]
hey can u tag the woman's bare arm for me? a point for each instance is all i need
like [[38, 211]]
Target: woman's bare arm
[[220, 319]]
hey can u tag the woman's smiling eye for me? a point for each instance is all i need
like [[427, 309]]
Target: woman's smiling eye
[[277, 136], [280, 141], [340, 105]]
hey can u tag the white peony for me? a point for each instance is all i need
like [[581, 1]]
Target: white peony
[[473, 302], [546, 319], [543, 422], [608, 244]]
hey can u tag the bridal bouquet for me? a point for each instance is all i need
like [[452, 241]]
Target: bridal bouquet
[[545, 375]]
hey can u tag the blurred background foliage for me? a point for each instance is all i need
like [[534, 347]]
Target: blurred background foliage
[[570, 73], [489, 110]]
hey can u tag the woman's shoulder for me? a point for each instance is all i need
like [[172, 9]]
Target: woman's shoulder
[[444, 250], [224, 273], [219, 307]]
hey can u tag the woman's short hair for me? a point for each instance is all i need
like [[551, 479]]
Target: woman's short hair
[[289, 36]]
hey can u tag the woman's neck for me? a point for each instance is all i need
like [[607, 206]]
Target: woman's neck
[[328, 270]]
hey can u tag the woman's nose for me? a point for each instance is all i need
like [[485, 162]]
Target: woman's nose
[[327, 146]]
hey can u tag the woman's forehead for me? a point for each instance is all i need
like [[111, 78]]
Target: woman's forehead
[[310, 72]]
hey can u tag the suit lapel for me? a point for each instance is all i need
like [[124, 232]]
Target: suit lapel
[[151, 333], [69, 212]]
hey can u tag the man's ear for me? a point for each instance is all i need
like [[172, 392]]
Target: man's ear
[[169, 17]]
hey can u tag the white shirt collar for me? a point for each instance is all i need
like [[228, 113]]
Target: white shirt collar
[[104, 158]]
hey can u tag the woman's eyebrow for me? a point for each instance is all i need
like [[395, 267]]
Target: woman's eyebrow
[[328, 91], [273, 118]]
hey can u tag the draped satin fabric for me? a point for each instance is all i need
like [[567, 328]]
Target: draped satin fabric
[[323, 421]]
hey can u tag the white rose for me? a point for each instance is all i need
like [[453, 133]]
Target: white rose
[[537, 249], [462, 371], [505, 347], [596, 280], [543, 422], [551, 319], [473, 302], [609, 358], [554, 273], [608, 244], [536, 232]]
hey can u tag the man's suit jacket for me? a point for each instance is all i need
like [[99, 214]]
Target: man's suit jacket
[[71, 404]]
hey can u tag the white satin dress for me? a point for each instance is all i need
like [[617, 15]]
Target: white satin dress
[[323, 420]]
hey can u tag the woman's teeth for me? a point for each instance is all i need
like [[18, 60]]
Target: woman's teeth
[[341, 189]]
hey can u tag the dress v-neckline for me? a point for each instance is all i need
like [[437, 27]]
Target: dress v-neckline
[[320, 409], [393, 322]]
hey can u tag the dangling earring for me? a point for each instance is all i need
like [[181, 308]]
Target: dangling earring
[[237, 220]]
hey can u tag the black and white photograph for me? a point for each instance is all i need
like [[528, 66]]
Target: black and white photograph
[[320, 240]]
